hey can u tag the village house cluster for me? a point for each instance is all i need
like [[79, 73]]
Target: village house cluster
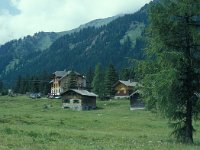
[[80, 99]]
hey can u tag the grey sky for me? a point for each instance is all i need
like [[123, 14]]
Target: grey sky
[[19, 18]]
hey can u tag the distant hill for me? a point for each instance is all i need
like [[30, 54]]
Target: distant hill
[[17, 52], [94, 23], [111, 40]]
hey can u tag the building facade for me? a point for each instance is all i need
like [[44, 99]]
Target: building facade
[[78, 100], [60, 81], [123, 89]]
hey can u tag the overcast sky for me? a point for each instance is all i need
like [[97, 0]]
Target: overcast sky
[[19, 18]]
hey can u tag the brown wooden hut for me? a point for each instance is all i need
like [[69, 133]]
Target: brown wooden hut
[[78, 99], [123, 89]]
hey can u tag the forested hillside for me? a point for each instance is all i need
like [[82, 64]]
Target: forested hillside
[[113, 43], [18, 52]]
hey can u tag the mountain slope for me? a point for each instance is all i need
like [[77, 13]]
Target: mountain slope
[[113, 43], [94, 23], [16, 51]]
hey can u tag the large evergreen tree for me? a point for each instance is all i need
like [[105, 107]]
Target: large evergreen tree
[[171, 75], [111, 78], [1, 86], [89, 79], [18, 85], [127, 74], [72, 80], [98, 81]]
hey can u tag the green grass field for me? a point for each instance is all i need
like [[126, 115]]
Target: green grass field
[[27, 124]]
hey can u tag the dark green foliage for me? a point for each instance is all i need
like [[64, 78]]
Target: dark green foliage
[[39, 83], [127, 74], [3, 90], [98, 81], [44, 85], [18, 85], [20, 51], [1, 86], [89, 79], [72, 81], [111, 78], [171, 74]]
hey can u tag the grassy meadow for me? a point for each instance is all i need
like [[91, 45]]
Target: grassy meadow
[[27, 124]]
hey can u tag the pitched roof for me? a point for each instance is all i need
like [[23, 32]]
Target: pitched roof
[[60, 73], [68, 72], [82, 92], [136, 92], [127, 83], [64, 73]]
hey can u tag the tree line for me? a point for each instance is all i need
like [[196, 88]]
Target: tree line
[[99, 80], [3, 90], [34, 84]]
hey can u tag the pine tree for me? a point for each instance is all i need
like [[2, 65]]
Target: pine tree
[[172, 73], [1, 86], [111, 78], [18, 84], [90, 76], [36, 84], [98, 81], [44, 84], [72, 81], [127, 74]]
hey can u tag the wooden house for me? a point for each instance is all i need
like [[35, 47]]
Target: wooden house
[[60, 80], [123, 89], [78, 99]]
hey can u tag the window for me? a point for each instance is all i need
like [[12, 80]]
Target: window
[[66, 101], [76, 101]]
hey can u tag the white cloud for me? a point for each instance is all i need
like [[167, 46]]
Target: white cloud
[[59, 15]]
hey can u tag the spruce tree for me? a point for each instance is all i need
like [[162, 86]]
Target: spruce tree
[[36, 84], [172, 73], [98, 81], [1, 86], [89, 78], [72, 80], [18, 85], [111, 78], [127, 74]]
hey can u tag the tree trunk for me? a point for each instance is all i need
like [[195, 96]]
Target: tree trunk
[[188, 123], [188, 85]]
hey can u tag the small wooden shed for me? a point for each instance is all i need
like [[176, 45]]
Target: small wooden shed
[[78, 99], [135, 101]]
